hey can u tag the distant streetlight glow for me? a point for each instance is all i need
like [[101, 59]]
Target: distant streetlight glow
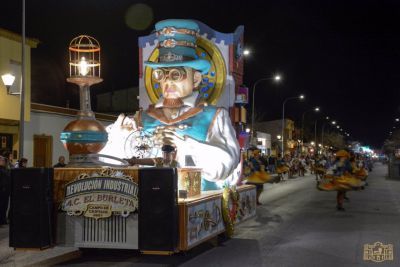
[[316, 109], [333, 122], [246, 52], [279, 137], [302, 96], [247, 130], [277, 78], [397, 119]]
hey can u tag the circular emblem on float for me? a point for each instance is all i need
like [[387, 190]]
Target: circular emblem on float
[[213, 82], [140, 144]]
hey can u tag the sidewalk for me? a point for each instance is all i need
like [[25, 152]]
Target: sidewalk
[[18, 258]]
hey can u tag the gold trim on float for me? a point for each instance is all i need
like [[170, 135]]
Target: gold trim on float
[[156, 252], [217, 64]]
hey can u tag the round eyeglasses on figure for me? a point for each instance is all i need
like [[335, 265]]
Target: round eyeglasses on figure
[[175, 75]]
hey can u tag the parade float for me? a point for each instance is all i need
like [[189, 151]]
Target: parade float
[[165, 179]]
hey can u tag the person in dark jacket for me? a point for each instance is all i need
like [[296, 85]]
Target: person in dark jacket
[[60, 163], [22, 163], [8, 158], [4, 190]]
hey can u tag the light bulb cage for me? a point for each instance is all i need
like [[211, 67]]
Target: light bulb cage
[[85, 48]]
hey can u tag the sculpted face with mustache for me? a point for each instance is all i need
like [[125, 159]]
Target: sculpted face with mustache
[[175, 89]]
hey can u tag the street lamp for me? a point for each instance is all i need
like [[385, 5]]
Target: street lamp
[[316, 109], [8, 80], [246, 52], [323, 129], [301, 97], [315, 136], [397, 119], [333, 122], [276, 78]]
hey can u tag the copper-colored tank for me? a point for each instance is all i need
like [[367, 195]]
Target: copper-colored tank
[[84, 136]]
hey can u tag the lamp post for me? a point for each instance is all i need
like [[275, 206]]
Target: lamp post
[[315, 136], [301, 97], [22, 97], [332, 123], [323, 131], [316, 109], [276, 78]]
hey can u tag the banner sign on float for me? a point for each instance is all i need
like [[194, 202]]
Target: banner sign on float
[[101, 195]]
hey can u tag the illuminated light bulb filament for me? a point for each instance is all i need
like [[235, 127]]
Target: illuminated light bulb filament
[[83, 67]]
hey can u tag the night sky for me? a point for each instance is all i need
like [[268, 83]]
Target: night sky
[[344, 55]]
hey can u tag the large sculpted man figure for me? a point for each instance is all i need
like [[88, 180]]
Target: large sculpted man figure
[[202, 135]]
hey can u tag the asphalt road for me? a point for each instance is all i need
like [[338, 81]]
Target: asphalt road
[[297, 225]]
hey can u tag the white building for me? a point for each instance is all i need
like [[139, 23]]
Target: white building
[[42, 145], [264, 142]]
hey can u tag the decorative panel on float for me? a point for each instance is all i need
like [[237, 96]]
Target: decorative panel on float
[[200, 218], [97, 207]]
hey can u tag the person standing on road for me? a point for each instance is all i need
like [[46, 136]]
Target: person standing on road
[[341, 167], [271, 164]]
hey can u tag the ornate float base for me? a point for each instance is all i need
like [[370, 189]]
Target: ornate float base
[[200, 217]]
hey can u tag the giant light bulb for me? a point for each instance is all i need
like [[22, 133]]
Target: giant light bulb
[[83, 67]]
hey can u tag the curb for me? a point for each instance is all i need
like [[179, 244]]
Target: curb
[[57, 259]]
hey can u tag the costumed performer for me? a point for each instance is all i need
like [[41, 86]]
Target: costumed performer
[[257, 175], [202, 135], [341, 167]]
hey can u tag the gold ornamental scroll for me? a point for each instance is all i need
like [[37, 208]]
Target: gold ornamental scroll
[[189, 179], [62, 176]]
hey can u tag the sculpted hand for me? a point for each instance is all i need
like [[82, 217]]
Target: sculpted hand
[[124, 123], [168, 136]]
